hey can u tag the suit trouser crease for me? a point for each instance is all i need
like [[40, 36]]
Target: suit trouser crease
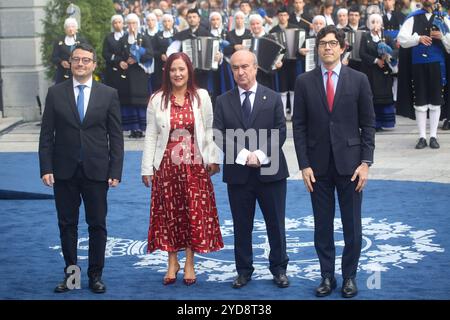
[[271, 198], [68, 195]]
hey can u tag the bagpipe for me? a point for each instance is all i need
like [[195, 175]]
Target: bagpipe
[[136, 53], [387, 54], [438, 22]]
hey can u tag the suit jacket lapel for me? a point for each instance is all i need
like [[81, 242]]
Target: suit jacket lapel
[[92, 101], [340, 86], [71, 99], [236, 106], [320, 87], [260, 98]]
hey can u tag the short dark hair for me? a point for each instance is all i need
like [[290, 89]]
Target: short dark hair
[[338, 33], [86, 47], [193, 11], [354, 8], [245, 1]]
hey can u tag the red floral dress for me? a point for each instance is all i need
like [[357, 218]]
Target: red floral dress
[[183, 209]]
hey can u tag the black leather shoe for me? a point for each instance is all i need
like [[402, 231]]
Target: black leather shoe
[[281, 280], [240, 281], [62, 286], [349, 288], [422, 143], [434, 144], [96, 285], [446, 125], [326, 286]]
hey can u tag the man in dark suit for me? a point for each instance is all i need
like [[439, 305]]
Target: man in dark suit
[[81, 156], [251, 129], [334, 133]]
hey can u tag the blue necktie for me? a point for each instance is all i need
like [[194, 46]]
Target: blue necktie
[[246, 108], [80, 101]]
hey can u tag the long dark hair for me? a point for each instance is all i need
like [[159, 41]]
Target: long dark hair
[[166, 87]]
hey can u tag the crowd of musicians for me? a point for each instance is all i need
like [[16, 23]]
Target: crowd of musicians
[[387, 40]]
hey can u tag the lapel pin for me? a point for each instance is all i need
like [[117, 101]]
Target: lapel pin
[[264, 98]]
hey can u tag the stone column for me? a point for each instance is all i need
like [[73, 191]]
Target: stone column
[[20, 58]]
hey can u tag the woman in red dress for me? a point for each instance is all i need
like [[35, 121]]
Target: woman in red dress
[[178, 159]]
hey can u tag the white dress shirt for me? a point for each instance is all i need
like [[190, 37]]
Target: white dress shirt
[[86, 91], [243, 154]]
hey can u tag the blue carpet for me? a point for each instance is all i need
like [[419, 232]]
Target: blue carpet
[[405, 256]]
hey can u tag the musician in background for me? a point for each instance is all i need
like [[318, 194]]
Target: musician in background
[[286, 75], [246, 9], [327, 11], [392, 20], [151, 28], [342, 17], [422, 78], [300, 18], [318, 23], [379, 65], [257, 30], [354, 17], [63, 47], [194, 30], [136, 62], [160, 42], [237, 35], [221, 80], [114, 75]]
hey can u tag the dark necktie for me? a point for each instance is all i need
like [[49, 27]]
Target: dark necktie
[[330, 91], [80, 101], [246, 108]]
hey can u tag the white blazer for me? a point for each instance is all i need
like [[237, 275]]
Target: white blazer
[[158, 131]]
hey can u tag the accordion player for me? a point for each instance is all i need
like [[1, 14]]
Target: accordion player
[[292, 39], [201, 51], [267, 51]]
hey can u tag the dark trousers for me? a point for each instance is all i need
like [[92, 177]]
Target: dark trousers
[[68, 195], [323, 203], [271, 198]]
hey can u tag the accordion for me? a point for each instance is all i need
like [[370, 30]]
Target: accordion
[[267, 51], [292, 39], [201, 51], [353, 38]]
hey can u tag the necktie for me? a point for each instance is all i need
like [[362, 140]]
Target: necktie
[[330, 91], [246, 107], [80, 101]]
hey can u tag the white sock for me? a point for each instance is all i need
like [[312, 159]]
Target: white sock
[[284, 100], [434, 121], [291, 100], [421, 119]]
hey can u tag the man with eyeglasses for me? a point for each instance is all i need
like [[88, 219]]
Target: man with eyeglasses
[[81, 156], [334, 136]]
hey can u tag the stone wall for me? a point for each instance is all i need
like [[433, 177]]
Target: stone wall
[[20, 59]]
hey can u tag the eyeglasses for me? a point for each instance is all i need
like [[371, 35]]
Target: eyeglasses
[[331, 43], [77, 60]]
